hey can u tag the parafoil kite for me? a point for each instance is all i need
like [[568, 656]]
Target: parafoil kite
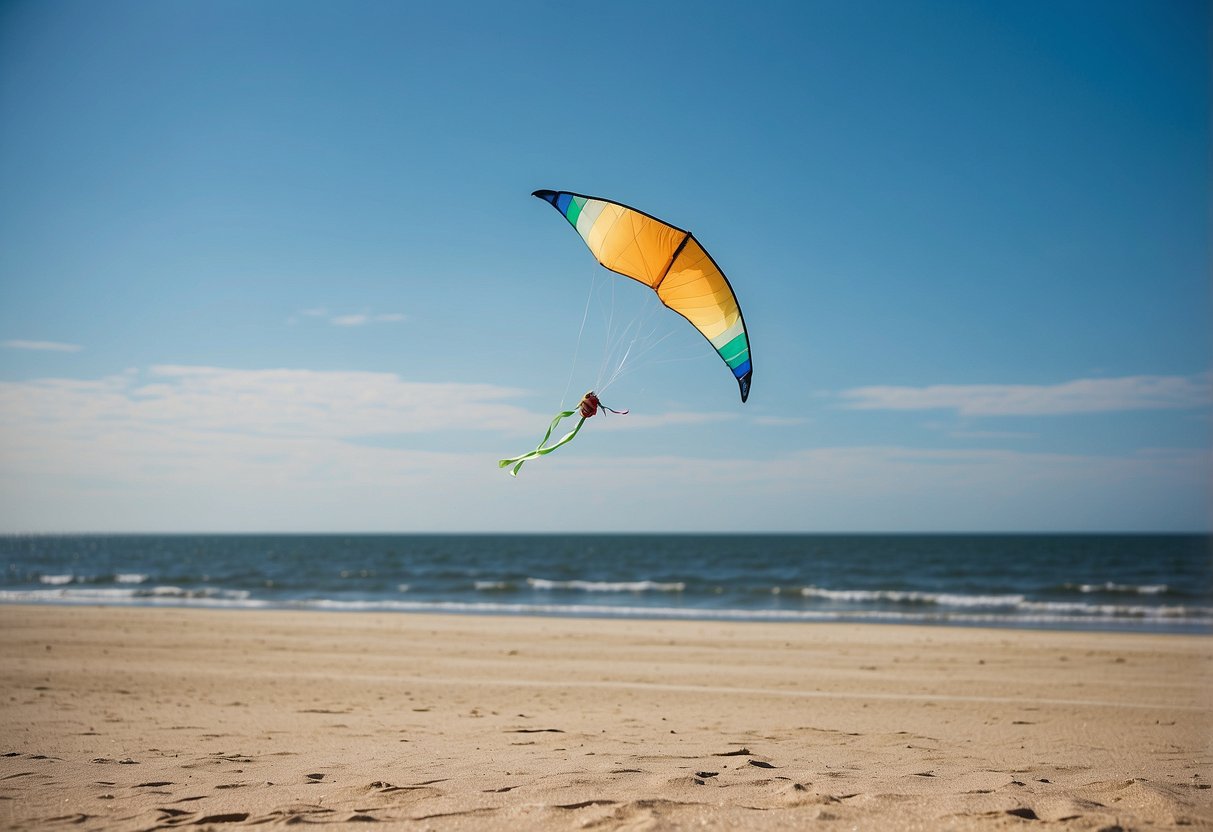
[[671, 262]]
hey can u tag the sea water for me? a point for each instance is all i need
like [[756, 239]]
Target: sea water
[[1148, 583]]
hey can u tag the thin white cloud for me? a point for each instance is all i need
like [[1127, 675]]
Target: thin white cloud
[[349, 319], [189, 447], [362, 319], [285, 403], [314, 403], [1101, 395], [44, 346]]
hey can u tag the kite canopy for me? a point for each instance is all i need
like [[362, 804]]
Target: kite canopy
[[668, 260]]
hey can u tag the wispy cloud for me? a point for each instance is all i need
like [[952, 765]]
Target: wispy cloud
[[348, 319], [285, 403], [192, 447], [362, 319], [44, 346], [1100, 395], [195, 446], [308, 403]]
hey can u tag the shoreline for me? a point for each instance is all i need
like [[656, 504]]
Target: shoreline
[[1145, 583], [133, 717], [1149, 625]]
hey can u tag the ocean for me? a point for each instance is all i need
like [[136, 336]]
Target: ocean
[[1146, 583]]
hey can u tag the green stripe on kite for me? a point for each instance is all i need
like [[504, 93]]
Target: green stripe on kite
[[735, 346], [575, 210]]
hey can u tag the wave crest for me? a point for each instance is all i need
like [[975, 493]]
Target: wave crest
[[606, 586]]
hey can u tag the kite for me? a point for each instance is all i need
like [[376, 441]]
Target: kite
[[671, 262]]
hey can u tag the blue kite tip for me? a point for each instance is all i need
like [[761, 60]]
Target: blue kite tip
[[550, 196]]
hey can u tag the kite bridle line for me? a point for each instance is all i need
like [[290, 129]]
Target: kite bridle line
[[577, 348], [630, 331], [634, 339], [627, 345]]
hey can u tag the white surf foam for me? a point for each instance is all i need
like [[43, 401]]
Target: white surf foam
[[607, 586]]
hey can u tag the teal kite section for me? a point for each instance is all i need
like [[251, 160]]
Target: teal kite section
[[736, 352], [574, 210]]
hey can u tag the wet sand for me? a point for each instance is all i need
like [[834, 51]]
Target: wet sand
[[145, 718]]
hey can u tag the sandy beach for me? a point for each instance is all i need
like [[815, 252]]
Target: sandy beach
[[151, 718]]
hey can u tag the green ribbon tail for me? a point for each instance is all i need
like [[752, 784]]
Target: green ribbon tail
[[542, 450]]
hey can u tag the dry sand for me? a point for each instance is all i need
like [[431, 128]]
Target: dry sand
[[137, 718]]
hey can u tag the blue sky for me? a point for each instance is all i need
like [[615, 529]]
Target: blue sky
[[275, 266]]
